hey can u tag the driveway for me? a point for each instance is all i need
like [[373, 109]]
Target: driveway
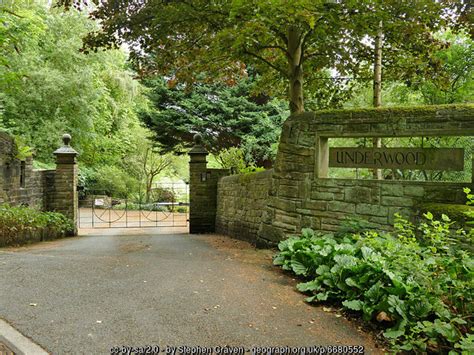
[[110, 288]]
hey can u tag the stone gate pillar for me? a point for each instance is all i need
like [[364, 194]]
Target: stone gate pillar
[[201, 193], [64, 194]]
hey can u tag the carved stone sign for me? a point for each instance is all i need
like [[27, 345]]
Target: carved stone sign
[[398, 158]]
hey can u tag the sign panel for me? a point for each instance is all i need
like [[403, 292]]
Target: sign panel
[[398, 158]]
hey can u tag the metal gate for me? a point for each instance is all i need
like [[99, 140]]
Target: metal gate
[[165, 205]]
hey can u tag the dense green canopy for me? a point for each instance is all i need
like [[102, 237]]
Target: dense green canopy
[[49, 87], [226, 116], [289, 42]]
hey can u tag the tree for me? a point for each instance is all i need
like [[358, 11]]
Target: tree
[[48, 87], [377, 85], [152, 165], [284, 40], [20, 26], [454, 82], [226, 116]]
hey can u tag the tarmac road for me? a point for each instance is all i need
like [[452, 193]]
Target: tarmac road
[[110, 288]]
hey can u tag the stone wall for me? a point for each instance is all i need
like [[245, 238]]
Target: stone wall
[[34, 191], [241, 200], [302, 195], [48, 190], [333, 200]]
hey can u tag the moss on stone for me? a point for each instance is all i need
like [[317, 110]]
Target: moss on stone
[[247, 177], [253, 175], [454, 211], [393, 110]]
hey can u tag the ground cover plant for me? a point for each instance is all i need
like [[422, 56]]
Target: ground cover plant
[[416, 282], [470, 214], [22, 224]]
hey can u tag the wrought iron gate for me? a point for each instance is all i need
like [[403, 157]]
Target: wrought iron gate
[[166, 205]]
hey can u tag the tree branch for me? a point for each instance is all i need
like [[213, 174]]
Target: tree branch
[[303, 44], [274, 47], [279, 34], [12, 13], [314, 54], [270, 64]]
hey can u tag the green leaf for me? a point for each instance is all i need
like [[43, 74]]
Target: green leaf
[[307, 233], [283, 245], [428, 215], [466, 344], [351, 282], [368, 311], [397, 305], [326, 250], [355, 305], [458, 321], [308, 286], [367, 252], [310, 299], [407, 347], [346, 261], [374, 292], [322, 296], [298, 268], [445, 218], [279, 259], [447, 330], [322, 269], [420, 309], [393, 334]]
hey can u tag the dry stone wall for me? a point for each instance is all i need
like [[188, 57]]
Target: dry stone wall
[[241, 200]]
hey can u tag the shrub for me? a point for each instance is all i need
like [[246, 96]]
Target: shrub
[[23, 224], [414, 281], [162, 194], [86, 181], [110, 181], [457, 212], [181, 209], [235, 160], [470, 214]]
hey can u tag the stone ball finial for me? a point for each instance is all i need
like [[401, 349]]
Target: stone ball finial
[[197, 139], [66, 139]]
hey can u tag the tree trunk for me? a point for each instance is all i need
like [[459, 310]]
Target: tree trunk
[[149, 183], [377, 102], [295, 70]]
